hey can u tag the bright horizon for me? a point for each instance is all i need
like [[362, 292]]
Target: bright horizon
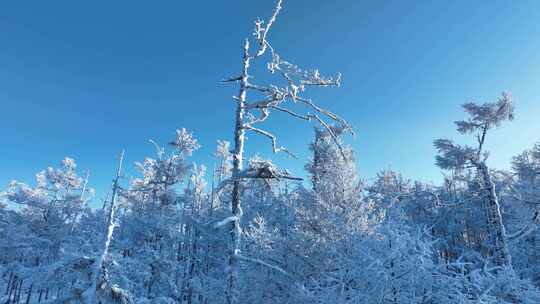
[[86, 80]]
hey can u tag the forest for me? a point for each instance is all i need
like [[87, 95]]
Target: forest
[[248, 231]]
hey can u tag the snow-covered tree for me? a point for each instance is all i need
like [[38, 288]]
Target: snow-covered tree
[[41, 248], [452, 156], [251, 112], [522, 204], [506, 285], [152, 248]]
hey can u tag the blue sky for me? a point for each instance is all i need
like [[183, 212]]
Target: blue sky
[[86, 79]]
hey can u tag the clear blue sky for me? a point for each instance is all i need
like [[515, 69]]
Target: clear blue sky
[[88, 78]]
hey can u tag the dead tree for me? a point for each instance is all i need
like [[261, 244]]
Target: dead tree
[[250, 113], [90, 295]]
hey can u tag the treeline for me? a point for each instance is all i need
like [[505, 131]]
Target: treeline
[[341, 240]]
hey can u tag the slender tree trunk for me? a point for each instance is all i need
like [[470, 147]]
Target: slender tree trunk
[[186, 278], [193, 260], [9, 282], [211, 211], [496, 229], [18, 298], [12, 288], [392, 275], [239, 138], [29, 295], [90, 295]]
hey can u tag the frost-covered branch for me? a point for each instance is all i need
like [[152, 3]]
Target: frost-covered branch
[[527, 229], [331, 132], [263, 263], [226, 221], [294, 114], [272, 138], [261, 31]]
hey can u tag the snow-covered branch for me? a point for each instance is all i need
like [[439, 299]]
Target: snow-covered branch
[[527, 229], [272, 138], [226, 221], [263, 263], [261, 31]]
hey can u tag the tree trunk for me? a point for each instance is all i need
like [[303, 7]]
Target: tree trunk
[[12, 288], [18, 298], [392, 274], [9, 282], [496, 229], [90, 296], [29, 294], [239, 138]]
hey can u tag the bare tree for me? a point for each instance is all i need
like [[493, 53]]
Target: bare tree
[[250, 113], [452, 156], [90, 296]]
